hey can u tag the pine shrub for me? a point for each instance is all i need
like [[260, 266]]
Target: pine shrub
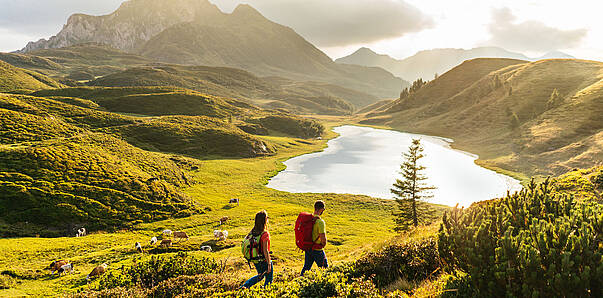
[[535, 243]]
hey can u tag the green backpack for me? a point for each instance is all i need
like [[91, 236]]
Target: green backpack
[[252, 248]]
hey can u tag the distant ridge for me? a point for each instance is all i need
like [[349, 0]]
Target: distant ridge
[[196, 32], [425, 64]]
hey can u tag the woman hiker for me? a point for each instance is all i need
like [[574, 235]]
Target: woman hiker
[[261, 261]]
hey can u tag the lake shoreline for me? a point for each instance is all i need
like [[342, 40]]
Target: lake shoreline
[[297, 177]]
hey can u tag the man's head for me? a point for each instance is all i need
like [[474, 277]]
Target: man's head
[[319, 207]]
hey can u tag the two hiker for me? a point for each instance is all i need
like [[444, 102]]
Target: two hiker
[[310, 236]]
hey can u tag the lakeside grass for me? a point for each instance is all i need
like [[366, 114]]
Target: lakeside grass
[[355, 224]]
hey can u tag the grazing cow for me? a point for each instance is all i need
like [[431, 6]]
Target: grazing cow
[[81, 232], [234, 201], [98, 271], [221, 235], [56, 265], [138, 247], [66, 268], [167, 233], [166, 243], [180, 235], [223, 220], [206, 248], [153, 240]]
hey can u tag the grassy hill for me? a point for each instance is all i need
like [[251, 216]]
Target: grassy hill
[[154, 101], [80, 62], [194, 136], [57, 173], [17, 79], [270, 92], [535, 118]]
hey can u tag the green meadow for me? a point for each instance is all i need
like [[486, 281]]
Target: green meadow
[[356, 224]]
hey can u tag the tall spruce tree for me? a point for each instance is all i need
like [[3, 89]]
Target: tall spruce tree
[[411, 191]]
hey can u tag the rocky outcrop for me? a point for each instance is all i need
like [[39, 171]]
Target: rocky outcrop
[[130, 26]]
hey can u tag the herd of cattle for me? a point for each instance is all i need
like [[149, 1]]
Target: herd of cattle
[[64, 266]]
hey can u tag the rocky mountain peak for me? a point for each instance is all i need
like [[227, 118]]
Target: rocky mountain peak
[[247, 11], [131, 25]]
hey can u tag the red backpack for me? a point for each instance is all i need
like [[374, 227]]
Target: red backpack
[[303, 230]]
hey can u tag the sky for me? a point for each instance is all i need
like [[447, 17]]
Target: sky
[[399, 28]]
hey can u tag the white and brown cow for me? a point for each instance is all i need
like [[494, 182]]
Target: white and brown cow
[[66, 268], [56, 265], [98, 271]]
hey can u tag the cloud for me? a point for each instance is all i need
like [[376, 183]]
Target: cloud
[[35, 16], [342, 22], [530, 35]]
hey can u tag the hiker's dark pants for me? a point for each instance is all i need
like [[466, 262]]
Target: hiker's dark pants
[[315, 256], [261, 268]]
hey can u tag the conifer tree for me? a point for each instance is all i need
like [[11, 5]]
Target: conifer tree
[[411, 191]]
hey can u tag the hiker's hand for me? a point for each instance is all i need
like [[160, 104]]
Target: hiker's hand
[[269, 268]]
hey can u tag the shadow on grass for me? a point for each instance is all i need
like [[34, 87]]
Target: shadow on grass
[[217, 245], [229, 206]]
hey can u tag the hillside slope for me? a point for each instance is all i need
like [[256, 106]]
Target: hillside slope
[[80, 62], [66, 162], [15, 79], [57, 173], [532, 117], [425, 64]]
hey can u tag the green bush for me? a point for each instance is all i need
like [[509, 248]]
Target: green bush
[[414, 261], [533, 243], [598, 180], [299, 127], [150, 272]]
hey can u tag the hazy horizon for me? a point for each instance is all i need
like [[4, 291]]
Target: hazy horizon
[[404, 27]]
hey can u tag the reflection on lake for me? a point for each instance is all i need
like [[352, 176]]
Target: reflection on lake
[[366, 161]]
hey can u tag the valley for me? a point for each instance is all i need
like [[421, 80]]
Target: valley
[[165, 117]]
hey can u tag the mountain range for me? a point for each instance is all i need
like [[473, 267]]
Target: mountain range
[[196, 32], [426, 64]]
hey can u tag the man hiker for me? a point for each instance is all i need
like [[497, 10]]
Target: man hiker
[[319, 236]]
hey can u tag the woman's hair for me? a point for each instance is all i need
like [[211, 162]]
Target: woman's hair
[[260, 223]]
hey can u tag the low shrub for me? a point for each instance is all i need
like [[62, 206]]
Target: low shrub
[[150, 272], [295, 126], [414, 261]]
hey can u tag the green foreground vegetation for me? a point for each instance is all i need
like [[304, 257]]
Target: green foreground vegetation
[[370, 260], [129, 162]]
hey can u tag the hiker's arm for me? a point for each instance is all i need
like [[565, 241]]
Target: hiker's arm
[[323, 239], [267, 255]]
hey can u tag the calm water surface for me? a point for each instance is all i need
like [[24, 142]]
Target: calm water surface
[[367, 161]]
